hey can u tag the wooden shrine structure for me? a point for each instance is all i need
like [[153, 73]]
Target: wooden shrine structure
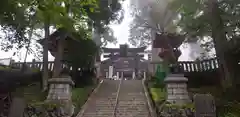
[[126, 62]]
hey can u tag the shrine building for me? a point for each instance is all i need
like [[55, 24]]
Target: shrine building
[[124, 62]]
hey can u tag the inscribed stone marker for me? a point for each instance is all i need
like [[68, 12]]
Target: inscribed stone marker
[[204, 105]]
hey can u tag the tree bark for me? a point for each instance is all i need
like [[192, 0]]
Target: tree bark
[[45, 56], [58, 59], [220, 41]]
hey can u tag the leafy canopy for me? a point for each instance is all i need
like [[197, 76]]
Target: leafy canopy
[[18, 16]]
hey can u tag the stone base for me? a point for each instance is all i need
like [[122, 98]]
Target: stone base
[[177, 89], [60, 92]]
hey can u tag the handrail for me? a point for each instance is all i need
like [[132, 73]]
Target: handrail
[[149, 102], [80, 114], [115, 107]]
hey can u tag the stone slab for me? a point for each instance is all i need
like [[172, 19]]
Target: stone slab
[[204, 105]]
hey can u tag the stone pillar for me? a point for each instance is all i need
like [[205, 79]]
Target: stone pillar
[[122, 75], [98, 72], [133, 75], [118, 75], [110, 72], [106, 74], [144, 75], [176, 85], [60, 92]]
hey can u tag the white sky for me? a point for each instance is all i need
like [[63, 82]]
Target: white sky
[[121, 31]]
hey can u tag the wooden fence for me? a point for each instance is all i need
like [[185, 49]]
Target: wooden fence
[[199, 66], [188, 66], [38, 65]]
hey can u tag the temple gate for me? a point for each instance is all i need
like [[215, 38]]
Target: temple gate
[[124, 62]]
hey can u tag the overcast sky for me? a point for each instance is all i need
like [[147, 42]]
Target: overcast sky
[[121, 31]]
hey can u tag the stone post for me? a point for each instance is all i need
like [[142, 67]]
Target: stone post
[[118, 75], [110, 72], [176, 85], [98, 69], [107, 75], [144, 75], [60, 92], [33, 63], [133, 75]]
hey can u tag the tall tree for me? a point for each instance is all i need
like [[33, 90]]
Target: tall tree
[[154, 17], [216, 19], [16, 16]]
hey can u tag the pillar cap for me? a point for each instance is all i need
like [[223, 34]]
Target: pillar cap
[[62, 80], [175, 78]]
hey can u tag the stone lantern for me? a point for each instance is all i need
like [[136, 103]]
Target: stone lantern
[[176, 85], [60, 91], [60, 84]]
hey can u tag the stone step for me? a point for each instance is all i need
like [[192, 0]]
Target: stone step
[[132, 101], [102, 104]]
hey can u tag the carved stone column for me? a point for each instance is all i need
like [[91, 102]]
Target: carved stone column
[[60, 92]]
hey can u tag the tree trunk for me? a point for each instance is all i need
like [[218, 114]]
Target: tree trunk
[[45, 56], [58, 59], [219, 39]]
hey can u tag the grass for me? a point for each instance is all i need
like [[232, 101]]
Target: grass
[[80, 96], [32, 94], [158, 94]]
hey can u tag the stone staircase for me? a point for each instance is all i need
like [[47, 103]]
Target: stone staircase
[[132, 101], [103, 102]]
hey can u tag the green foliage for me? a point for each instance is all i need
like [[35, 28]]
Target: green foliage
[[5, 68], [104, 13], [228, 109], [80, 96], [185, 106], [81, 52], [32, 94], [17, 16], [229, 115], [195, 20], [158, 94]]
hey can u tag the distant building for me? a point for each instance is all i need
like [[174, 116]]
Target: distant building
[[125, 61]]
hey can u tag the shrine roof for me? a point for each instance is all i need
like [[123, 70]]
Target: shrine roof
[[115, 59], [110, 50], [55, 36], [163, 40], [58, 34]]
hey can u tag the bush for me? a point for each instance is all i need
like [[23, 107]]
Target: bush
[[44, 110]]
